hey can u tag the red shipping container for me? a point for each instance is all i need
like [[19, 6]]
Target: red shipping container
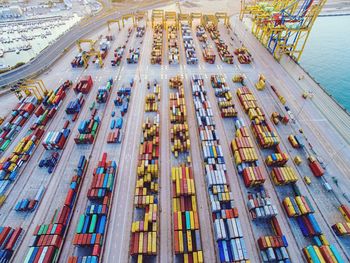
[[13, 239], [4, 234], [96, 250]]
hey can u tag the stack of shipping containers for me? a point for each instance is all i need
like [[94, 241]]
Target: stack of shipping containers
[[186, 228], [145, 224], [227, 227]]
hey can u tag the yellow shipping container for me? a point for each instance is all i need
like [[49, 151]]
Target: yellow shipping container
[[189, 241], [319, 255], [154, 243], [301, 205], [149, 243], [200, 257], [181, 244], [141, 243]]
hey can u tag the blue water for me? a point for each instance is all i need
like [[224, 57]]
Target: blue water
[[327, 56]]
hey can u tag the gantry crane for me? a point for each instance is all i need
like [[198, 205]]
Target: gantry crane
[[184, 17], [126, 17], [141, 15], [197, 16], [224, 16], [91, 42], [156, 15], [30, 87], [170, 18], [109, 22], [209, 19], [40, 84], [283, 27]]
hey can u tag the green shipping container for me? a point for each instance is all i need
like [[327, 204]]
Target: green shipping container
[[80, 224], [93, 224]]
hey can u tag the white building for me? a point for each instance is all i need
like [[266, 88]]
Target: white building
[[11, 11]]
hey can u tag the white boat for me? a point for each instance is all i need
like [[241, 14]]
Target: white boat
[[3, 66], [1, 53], [17, 51]]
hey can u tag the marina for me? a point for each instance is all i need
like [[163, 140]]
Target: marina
[[21, 41]]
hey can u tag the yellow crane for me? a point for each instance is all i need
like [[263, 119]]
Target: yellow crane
[[184, 17], [197, 16], [209, 19], [224, 16], [28, 90], [170, 18], [156, 15], [91, 43], [126, 17], [141, 15], [283, 26], [109, 22], [40, 84]]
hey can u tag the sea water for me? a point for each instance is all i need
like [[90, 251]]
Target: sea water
[[327, 56]]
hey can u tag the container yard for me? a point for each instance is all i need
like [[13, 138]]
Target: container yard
[[185, 142]]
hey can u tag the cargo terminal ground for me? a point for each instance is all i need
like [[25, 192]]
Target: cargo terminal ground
[[177, 161]]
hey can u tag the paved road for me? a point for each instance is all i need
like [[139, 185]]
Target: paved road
[[49, 55]]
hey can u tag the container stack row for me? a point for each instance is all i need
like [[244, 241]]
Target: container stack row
[[298, 206], [145, 223], [122, 102], [173, 45], [224, 96], [75, 105], [78, 60], [245, 156], [92, 225], [133, 56], [267, 138], [84, 85], [56, 140], [10, 166], [27, 204], [151, 103], [265, 135], [230, 243], [157, 45], [343, 228], [207, 50], [118, 55], [49, 238], [186, 226], [179, 135], [123, 98], [104, 91], [9, 238], [260, 205], [271, 242], [187, 238], [18, 117], [190, 50], [54, 97], [221, 47], [88, 129]]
